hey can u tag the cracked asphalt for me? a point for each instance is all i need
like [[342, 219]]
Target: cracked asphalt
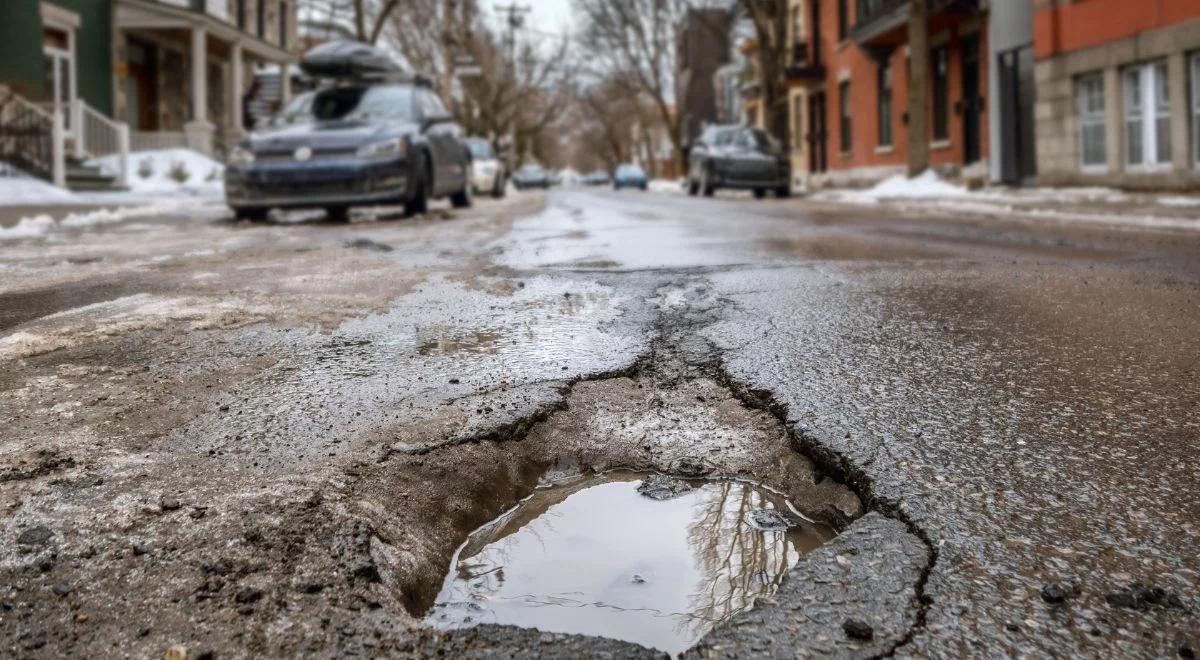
[[239, 440]]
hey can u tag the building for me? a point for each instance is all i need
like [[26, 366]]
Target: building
[[173, 71], [805, 76], [734, 81], [1011, 93], [1118, 93], [702, 50]]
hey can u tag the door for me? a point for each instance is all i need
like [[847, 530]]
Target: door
[[972, 104], [449, 161], [817, 133], [141, 86], [1014, 70]]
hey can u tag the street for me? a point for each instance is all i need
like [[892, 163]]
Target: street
[[269, 438]]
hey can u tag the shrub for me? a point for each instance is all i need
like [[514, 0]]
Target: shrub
[[179, 172]]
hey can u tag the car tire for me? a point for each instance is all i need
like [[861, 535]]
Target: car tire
[[337, 213], [693, 188], [418, 202], [760, 193], [500, 188], [783, 192], [706, 186], [463, 199], [251, 215]]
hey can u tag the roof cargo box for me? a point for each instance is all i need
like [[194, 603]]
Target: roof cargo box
[[349, 59]]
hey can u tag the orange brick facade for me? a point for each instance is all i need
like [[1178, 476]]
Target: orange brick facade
[[1063, 27]]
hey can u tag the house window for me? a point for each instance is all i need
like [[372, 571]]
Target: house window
[[844, 112], [241, 14], [1147, 116], [941, 93], [262, 18], [1196, 109], [884, 93], [843, 20], [283, 21], [798, 123], [797, 25], [1089, 93]]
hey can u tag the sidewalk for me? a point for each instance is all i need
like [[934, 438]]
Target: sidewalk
[[1065, 205]]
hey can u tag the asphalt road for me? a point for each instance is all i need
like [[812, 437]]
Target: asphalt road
[[269, 439]]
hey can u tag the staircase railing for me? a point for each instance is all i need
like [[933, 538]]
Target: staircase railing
[[97, 136], [31, 138]]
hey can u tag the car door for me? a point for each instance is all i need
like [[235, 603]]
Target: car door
[[445, 139]]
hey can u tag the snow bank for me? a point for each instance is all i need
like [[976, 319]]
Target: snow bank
[[41, 225], [926, 186], [169, 172], [1179, 202], [666, 186], [27, 191], [31, 227]]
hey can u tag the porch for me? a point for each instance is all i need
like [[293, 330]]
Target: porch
[[184, 70]]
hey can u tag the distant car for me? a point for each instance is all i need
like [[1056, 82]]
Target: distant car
[[376, 135], [488, 173], [741, 158], [630, 176], [597, 178], [531, 176]]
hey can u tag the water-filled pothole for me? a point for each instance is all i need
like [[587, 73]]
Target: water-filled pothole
[[595, 556]]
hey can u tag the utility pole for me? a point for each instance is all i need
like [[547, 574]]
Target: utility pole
[[515, 21]]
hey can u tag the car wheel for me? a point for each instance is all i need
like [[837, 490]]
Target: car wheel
[[463, 198], [783, 192], [337, 213], [418, 203], [759, 193], [500, 188], [693, 188], [253, 215], [706, 186]]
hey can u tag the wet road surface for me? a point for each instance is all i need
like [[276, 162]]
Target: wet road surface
[[271, 438]]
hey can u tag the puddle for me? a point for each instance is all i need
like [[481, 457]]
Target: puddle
[[596, 557], [479, 343]]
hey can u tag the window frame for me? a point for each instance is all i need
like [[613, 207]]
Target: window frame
[[940, 84], [1144, 107], [1089, 117], [843, 9], [1194, 62], [884, 116], [845, 125]]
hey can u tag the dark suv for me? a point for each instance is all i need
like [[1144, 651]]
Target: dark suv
[[379, 138], [738, 157]]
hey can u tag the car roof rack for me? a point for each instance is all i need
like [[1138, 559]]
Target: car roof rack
[[355, 61]]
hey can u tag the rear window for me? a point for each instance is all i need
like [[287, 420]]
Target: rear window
[[629, 170], [389, 102], [480, 149]]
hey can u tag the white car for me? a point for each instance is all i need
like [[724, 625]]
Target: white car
[[488, 174]]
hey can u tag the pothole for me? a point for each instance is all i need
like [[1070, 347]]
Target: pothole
[[654, 561], [428, 499]]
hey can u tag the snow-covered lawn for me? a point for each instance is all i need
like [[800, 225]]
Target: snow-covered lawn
[[669, 186], [170, 172], [26, 191]]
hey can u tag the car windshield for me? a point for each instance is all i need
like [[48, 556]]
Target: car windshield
[[531, 170], [480, 149], [720, 137], [629, 170], [393, 102], [763, 141]]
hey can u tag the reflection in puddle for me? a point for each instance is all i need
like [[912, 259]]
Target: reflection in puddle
[[595, 557], [475, 342]]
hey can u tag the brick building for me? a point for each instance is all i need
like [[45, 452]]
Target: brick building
[[848, 78], [1118, 87]]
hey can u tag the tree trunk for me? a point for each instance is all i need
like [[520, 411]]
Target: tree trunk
[[918, 90]]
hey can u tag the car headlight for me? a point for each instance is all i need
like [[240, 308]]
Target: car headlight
[[393, 147], [241, 156]]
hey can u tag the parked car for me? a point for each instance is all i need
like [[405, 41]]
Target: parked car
[[630, 176], [597, 178], [372, 134], [488, 173], [531, 176], [741, 158]]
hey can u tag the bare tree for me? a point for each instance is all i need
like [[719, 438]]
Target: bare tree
[[636, 40]]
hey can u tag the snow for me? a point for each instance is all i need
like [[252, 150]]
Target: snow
[[27, 191], [170, 172], [928, 185], [31, 227], [41, 225], [670, 186], [1184, 202]]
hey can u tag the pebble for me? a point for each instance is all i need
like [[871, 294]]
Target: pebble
[[35, 537], [169, 503], [859, 630]]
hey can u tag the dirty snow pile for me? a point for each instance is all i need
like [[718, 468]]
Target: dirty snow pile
[[666, 186], [926, 186], [170, 172], [40, 225], [20, 190]]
